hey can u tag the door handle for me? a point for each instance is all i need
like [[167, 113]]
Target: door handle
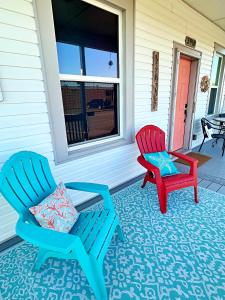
[[185, 112]]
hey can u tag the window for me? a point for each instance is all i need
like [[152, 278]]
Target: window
[[216, 75], [90, 110], [88, 50], [87, 39]]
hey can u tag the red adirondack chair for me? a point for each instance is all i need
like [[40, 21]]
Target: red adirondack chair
[[152, 139]]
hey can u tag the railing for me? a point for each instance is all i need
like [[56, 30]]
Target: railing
[[75, 128]]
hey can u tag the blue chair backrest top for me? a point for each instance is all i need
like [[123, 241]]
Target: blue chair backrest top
[[25, 180]]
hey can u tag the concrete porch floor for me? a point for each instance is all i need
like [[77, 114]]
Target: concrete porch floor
[[212, 173]]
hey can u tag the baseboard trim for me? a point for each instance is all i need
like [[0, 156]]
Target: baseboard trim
[[114, 190], [10, 242], [16, 239]]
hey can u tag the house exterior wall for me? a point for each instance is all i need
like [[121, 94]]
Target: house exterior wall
[[158, 24], [24, 115], [24, 122]]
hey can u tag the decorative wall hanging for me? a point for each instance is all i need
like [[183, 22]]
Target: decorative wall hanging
[[204, 84], [155, 80]]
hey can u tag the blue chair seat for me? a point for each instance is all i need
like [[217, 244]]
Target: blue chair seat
[[95, 229]]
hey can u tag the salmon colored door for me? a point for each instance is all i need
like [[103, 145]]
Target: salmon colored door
[[181, 102]]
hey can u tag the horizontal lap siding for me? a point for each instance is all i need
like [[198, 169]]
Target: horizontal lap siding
[[158, 24], [24, 120]]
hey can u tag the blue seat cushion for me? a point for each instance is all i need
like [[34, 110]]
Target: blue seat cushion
[[162, 161]]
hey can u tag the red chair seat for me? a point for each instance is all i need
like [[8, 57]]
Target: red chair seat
[[178, 181]]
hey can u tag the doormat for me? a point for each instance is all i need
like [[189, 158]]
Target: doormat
[[202, 158]]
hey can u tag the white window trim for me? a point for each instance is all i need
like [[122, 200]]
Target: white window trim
[[219, 51], [86, 78], [95, 142], [48, 54]]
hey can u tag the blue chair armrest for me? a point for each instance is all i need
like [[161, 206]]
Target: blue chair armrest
[[46, 238], [100, 189]]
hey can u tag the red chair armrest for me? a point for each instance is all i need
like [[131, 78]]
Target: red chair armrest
[[193, 162], [184, 157], [150, 167]]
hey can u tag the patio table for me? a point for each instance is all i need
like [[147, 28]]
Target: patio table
[[219, 119]]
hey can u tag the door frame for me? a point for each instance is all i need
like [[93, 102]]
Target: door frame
[[195, 56]]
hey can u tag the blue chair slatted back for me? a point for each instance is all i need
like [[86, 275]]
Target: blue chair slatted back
[[25, 180]]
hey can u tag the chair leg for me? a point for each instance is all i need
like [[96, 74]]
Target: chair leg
[[219, 132], [101, 280], [41, 257], [213, 143], [120, 233], [199, 150], [145, 180], [223, 147], [91, 270], [196, 193], [163, 201]]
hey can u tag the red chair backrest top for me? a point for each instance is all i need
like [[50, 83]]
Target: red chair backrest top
[[151, 138]]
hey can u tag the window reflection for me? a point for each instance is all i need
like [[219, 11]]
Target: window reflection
[[216, 66], [212, 100], [101, 107], [90, 110], [87, 40], [100, 63], [68, 58]]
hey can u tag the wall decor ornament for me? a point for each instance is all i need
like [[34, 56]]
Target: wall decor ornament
[[204, 84], [155, 80]]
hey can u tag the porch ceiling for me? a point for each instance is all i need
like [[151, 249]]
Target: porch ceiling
[[213, 10]]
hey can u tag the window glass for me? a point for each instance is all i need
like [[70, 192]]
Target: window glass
[[87, 45], [100, 63], [73, 112], [101, 107], [90, 110], [216, 66], [212, 101], [68, 58]]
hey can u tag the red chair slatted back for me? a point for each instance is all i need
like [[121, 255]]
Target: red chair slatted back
[[150, 138]]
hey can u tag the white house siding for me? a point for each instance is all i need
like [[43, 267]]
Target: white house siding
[[158, 24], [24, 120]]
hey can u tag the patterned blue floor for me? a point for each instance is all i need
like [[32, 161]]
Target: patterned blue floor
[[180, 255]]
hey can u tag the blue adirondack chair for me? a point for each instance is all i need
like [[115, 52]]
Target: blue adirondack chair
[[25, 180]]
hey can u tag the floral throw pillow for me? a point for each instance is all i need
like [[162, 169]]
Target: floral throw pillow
[[56, 212]]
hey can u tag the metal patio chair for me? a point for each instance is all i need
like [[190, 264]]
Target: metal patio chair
[[25, 180], [207, 130]]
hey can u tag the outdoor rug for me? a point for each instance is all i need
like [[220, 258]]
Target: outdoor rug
[[180, 255], [202, 158]]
